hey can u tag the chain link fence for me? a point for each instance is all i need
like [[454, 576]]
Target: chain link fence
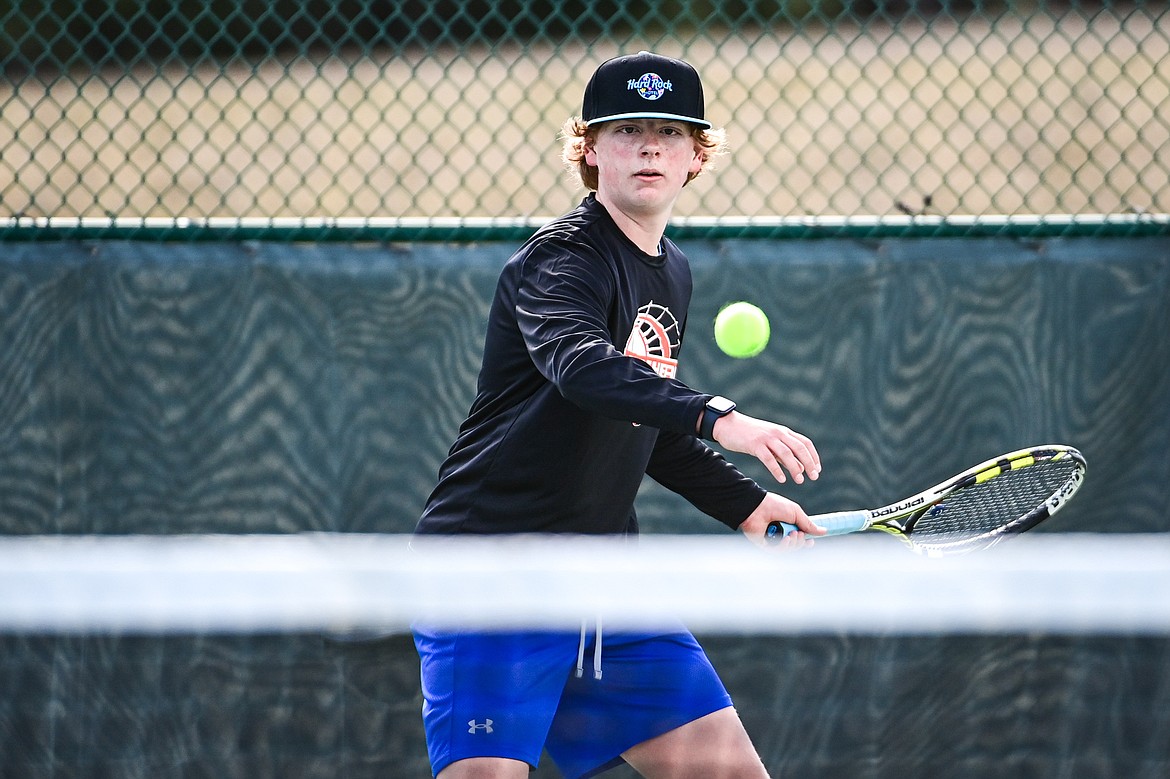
[[452, 108]]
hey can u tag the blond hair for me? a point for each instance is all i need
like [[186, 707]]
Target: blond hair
[[577, 139]]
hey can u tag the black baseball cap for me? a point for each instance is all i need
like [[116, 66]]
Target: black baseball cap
[[644, 86]]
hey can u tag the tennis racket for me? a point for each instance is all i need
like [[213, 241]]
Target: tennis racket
[[974, 510]]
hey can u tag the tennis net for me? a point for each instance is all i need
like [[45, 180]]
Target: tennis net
[[356, 582], [289, 656]]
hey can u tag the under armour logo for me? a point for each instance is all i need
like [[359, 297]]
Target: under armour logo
[[473, 726]]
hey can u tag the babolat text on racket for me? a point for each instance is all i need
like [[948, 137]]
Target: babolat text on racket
[[974, 510]]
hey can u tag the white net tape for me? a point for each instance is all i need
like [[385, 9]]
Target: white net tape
[[341, 583]]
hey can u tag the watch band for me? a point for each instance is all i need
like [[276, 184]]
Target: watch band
[[716, 407]]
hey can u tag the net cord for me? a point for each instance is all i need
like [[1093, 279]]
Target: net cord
[[359, 584]]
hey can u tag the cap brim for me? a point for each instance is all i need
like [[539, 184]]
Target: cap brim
[[649, 115]]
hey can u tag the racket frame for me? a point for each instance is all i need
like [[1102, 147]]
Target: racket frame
[[899, 518]]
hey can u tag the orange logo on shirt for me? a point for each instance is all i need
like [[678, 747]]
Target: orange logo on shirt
[[655, 339]]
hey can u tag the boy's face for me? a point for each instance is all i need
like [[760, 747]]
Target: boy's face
[[642, 164]]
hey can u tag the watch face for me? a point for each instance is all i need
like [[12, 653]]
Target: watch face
[[720, 405]]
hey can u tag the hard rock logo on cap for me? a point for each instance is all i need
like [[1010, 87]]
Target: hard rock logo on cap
[[650, 86]]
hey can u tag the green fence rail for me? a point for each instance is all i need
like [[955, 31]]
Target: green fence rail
[[367, 109]]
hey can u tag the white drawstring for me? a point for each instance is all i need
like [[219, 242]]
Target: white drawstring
[[596, 651], [581, 652]]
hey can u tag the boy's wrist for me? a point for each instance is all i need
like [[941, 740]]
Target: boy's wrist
[[717, 408]]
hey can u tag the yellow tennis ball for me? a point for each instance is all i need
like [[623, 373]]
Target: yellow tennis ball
[[742, 330]]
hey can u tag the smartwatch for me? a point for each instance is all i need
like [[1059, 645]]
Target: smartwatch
[[716, 407]]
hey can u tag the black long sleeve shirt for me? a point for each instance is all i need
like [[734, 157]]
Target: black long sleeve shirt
[[577, 397]]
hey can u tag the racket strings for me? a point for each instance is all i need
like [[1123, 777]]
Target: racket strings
[[1000, 504]]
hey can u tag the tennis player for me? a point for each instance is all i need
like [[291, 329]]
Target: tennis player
[[577, 400]]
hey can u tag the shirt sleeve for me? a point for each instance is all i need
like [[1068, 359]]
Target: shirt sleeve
[[687, 466], [562, 308]]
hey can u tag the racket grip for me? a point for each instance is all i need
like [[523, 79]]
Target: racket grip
[[835, 524]]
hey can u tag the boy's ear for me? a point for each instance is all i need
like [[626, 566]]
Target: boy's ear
[[697, 162]]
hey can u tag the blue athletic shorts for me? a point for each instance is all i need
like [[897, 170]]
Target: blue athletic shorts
[[512, 694]]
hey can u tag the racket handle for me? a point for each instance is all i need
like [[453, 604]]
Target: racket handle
[[835, 524]]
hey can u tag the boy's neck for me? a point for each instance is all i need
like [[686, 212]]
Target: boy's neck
[[645, 232]]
